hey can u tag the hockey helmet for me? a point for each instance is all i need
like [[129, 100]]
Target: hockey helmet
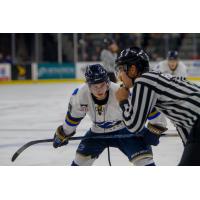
[[133, 56], [172, 55], [96, 74]]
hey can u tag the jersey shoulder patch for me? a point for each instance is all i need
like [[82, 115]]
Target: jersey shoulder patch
[[75, 91]]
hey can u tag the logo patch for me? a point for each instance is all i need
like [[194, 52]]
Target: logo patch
[[84, 108], [107, 124]]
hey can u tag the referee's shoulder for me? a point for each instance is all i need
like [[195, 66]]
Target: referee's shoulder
[[151, 73], [148, 75]]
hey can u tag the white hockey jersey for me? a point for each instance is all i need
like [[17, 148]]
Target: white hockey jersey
[[180, 71], [106, 118], [108, 60]]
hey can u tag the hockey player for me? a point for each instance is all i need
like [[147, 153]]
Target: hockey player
[[172, 65], [108, 57], [178, 99], [97, 99]]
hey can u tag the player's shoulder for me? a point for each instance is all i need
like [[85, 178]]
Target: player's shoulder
[[80, 95], [114, 86], [182, 64], [104, 51], [163, 64], [82, 89]]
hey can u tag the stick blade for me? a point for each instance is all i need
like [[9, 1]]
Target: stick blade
[[14, 156], [21, 149]]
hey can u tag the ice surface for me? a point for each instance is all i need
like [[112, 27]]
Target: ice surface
[[33, 111]]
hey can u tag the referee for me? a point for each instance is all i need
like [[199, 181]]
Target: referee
[[178, 99]]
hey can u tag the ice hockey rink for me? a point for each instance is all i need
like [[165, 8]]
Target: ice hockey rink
[[33, 112]]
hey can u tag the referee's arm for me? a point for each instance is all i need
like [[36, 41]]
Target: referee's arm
[[142, 102]]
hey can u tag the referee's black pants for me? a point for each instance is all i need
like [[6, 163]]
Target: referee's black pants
[[191, 153]]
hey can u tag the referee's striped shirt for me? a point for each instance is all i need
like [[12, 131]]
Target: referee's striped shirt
[[178, 99]]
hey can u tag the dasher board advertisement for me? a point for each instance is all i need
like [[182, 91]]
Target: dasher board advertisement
[[5, 72]]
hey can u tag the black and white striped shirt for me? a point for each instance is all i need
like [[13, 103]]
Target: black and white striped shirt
[[178, 99]]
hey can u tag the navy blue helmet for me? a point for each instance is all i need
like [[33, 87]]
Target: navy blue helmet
[[134, 56], [96, 74], [172, 55]]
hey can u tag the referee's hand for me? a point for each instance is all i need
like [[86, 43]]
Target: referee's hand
[[122, 76], [122, 94]]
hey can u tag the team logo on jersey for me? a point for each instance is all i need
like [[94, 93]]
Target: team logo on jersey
[[126, 108], [107, 124], [100, 109], [84, 107], [81, 147]]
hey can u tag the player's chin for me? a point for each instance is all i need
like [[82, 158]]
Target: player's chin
[[100, 95]]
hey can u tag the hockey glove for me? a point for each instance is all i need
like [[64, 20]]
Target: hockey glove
[[60, 138], [156, 129], [152, 134]]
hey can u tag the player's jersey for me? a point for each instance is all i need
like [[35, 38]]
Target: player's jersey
[[180, 71], [105, 118], [108, 60], [178, 99]]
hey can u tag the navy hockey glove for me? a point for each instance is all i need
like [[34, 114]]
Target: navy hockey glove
[[152, 133], [60, 138]]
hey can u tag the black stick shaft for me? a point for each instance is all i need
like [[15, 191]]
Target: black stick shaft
[[25, 146]]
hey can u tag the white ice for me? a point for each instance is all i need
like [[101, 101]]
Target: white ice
[[33, 111]]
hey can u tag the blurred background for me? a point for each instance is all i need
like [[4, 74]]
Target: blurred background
[[62, 55]]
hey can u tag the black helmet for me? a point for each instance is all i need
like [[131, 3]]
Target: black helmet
[[172, 55], [136, 56], [96, 74]]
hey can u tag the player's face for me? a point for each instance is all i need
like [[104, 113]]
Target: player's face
[[99, 90], [113, 47], [172, 64]]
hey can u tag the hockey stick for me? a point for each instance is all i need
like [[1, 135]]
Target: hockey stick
[[25, 146]]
